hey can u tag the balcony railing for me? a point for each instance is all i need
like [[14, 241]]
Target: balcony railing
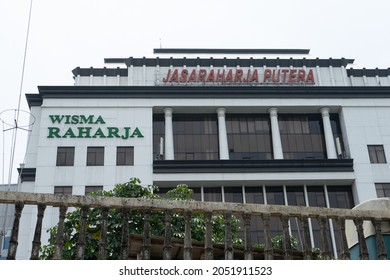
[[147, 243]]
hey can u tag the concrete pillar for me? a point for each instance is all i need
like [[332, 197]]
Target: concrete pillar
[[329, 142], [319, 75], [276, 141], [169, 148], [332, 80], [130, 76], [222, 134], [344, 74]]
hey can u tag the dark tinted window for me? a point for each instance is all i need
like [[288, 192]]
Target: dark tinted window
[[125, 156], [376, 153], [95, 156], [65, 156], [249, 136]]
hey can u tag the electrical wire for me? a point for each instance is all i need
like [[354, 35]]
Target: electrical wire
[[13, 147], [16, 122]]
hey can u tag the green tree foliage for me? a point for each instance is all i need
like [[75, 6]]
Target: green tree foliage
[[278, 242], [134, 189]]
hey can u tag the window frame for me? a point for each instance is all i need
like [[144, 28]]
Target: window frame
[[94, 188], [68, 153], [95, 151], [377, 154], [128, 156], [382, 190], [63, 188]]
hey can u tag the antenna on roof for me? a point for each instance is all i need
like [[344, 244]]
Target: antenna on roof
[[14, 124], [160, 44]]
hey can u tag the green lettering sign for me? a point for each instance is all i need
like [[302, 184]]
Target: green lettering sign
[[137, 133], [88, 131], [84, 132], [54, 132], [99, 133], [69, 133]]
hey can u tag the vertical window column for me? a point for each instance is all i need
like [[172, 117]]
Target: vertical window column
[[329, 142], [222, 134], [276, 141], [169, 150]]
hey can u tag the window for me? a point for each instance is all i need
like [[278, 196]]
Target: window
[[340, 197], [197, 194], [158, 133], [163, 192], [376, 153], [302, 136], [195, 137], [382, 189], [233, 194], [316, 196], [125, 156], [6, 242], [275, 195], [254, 195], [65, 156], [212, 194], [90, 189], [249, 136], [295, 195], [95, 156], [63, 190]]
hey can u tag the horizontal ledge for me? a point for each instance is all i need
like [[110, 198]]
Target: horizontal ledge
[[27, 174], [252, 166], [229, 51]]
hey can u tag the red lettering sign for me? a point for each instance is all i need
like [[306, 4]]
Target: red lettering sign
[[192, 78], [210, 77], [238, 76], [267, 75], [229, 76], [310, 77], [221, 76], [183, 76], [174, 77], [202, 75]]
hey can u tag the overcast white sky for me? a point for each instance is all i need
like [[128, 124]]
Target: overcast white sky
[[65, 34]]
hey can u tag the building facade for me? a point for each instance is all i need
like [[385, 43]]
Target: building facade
[[6, 217], [269, 127]]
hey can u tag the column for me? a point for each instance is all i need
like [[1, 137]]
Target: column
[[169, 151], [329, 142], [208, 240], [276, 141], [187, 250], [222, 135], [167, 249], [229, 250]]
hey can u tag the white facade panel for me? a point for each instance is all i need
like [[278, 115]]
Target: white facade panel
[[381, 172], [384, 81], [33, 137]]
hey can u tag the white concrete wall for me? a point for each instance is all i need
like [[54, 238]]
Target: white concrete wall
[[42, 154], [49, 175], [33, 137], [367, 126]]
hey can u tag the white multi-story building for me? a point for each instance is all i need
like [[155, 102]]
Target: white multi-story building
[[266, 126]]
